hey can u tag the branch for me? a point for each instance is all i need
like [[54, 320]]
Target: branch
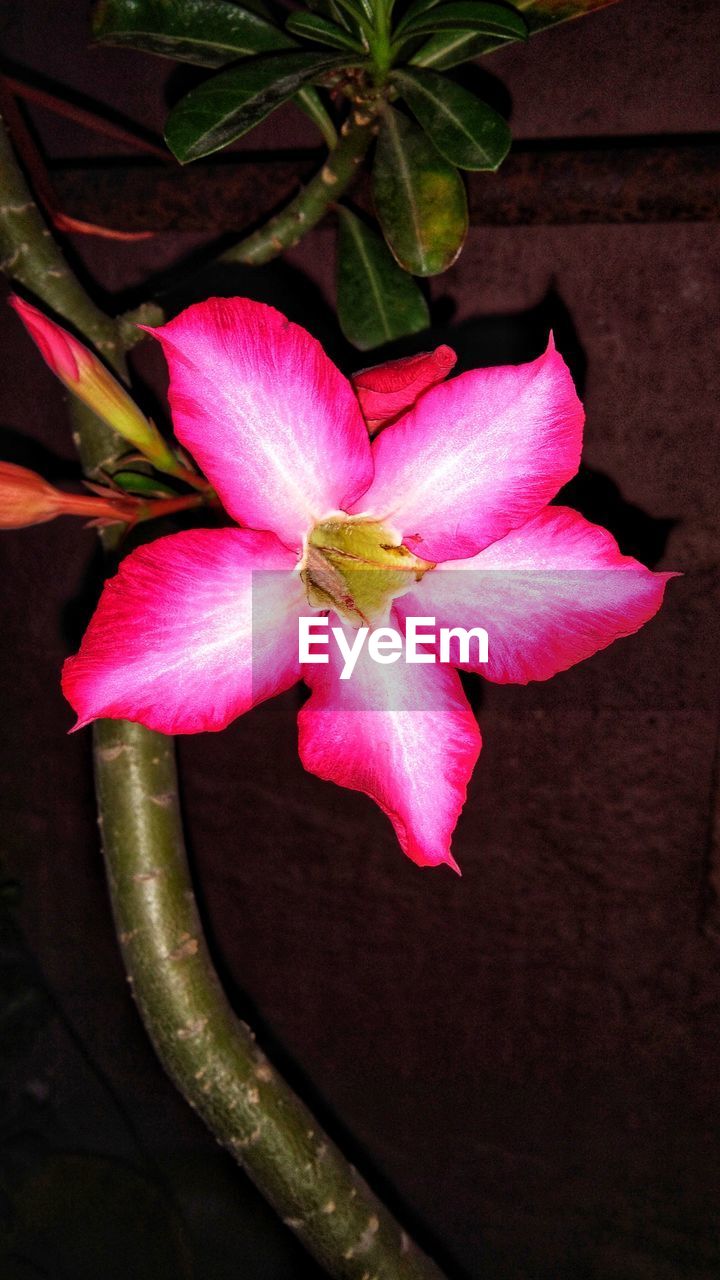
[[209, 1054], [303, 213], [212, 1056], [30, 256]]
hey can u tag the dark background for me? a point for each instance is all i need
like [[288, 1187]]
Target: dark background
[[525, 1060]]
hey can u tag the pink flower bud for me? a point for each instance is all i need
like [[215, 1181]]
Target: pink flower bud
[[86, 376], [388, 390]]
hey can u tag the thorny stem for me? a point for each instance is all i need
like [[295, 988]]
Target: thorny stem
[[210, 1055], [303, 213]]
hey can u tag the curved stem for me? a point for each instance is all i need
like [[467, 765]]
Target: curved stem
[[30, 256], [289, 226], [212, 1056]]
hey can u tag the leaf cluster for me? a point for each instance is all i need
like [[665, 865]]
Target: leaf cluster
[[387, 56]]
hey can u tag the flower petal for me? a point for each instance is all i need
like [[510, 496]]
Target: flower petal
[[477, 456], [273, 424], [387, 390], [549, 595], [194, 630], [402, 734]]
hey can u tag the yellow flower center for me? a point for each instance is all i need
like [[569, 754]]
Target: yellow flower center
[[357, 567]]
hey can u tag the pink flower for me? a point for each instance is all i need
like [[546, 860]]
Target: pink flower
[[444, 515], [388, 390]]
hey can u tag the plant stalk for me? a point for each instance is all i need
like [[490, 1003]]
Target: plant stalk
[[210, 1055], [30, 256], [311, 204]]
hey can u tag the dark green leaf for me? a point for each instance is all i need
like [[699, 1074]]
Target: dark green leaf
[[311, 26], [358, 10], [329, 9], [234, 101], [208, 33], [415, 9], [463, 128], [419, 198], [309, 101], [140, 483], [449, 49], [348, 14], [491, 20], [540, 14], [376, 300]]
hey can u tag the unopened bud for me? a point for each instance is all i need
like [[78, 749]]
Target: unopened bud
[[87, 377], [27, 499], [388, 390]]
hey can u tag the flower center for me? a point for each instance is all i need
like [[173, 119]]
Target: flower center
[[357, 567]]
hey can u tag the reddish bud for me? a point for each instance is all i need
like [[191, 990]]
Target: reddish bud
[[388, 390], [27, 499], [86, 376]]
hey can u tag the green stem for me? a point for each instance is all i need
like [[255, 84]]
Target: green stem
[[146, 313], [289, 226], [30, 256], [211, 1056], [381, 46]]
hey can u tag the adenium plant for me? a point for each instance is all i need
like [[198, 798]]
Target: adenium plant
[[444, 514], [399, 494]]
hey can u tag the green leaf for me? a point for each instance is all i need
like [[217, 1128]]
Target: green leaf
[[309, 101], [358, 11], [419, 198], [376, 300], [540, 14], [208, 33], [415, 9], [491, 20], [142, 484], [335, 13], [235, 101], [311, 26], [465, 130], [449, 49]]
